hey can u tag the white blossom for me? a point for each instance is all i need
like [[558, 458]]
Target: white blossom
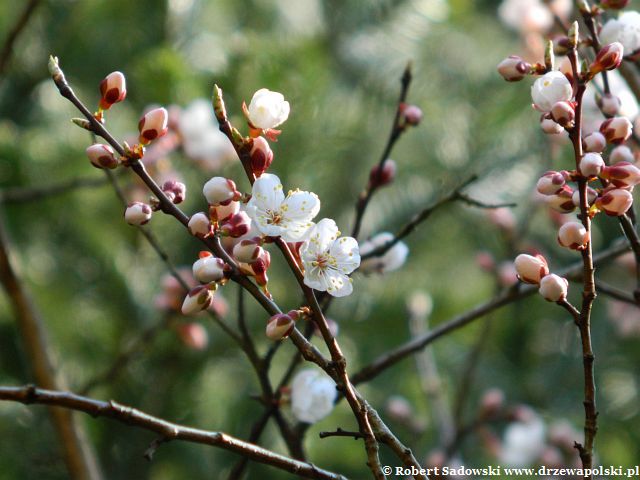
[[268, 109], [275, 215], [549, 89], [393, 259], [328, 259], [312, 395], [625, 29], [523, 443], [201, 137]]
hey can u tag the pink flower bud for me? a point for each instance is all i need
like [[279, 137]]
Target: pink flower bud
[[486, 261], [550, 183], [102, 156], [247, 251], [609, 104], [573, 235], [563, 113], [492, 402], [137, 213], [594, 142], [549, 126], [175, 191], [531, 269], [199, 225], [261, 156], [279, 326], [198, 299], [622, 174], [608, 58], [113, 89], [591, 164], [591, 197], [513, 68], [379, 178], [561, 201], [616, 130], [553, 288], [220, 191], [614, 4], [208, 268], [411, 114], [260, 267], [219, 213], [193, 335], [236, 225], [621, 153], [153, 125], [615, 202]]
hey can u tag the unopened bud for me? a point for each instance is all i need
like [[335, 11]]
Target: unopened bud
[[513, 68], [208, 268], [563, 113], [260, 267], [608, 58], [609, 104], [379, 178], [113, 89], [219, 213], [615, 202], [550, 183], [199, 225], [549, 126], [261, 156], [102, 156], [622, 174], [153, 125], [193, 335], [531, 269], [247, 251], [591, 164], [573, 235], [198, 299], [591, 197], [621, 153], [236, 225], [279, 326], [411, 114], [616, 130], [594, 142], [137, 213], [174, 190], [553, 288], [220, 191], [561, 201], [492, 402]]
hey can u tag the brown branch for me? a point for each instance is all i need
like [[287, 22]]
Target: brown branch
[[396, 131], [341, 433], [9, 43], [616, 293], [78, 456], [168, 431]]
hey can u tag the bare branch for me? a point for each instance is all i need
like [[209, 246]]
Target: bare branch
[[14, 33]]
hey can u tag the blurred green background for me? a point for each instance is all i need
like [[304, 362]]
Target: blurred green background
[[338, 63]]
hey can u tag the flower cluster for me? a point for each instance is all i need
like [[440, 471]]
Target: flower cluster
[[535, 270]]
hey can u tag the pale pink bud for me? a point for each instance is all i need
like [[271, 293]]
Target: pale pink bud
[[193, 335], [622, 174], [561, 201], [563, 113], [208, 268], [608, 58], [220, 213], [260, 267], [199, 225], [549, 126], [502, 218], [531, 269], [486, 261], [399, 408], [573, 235], [137, 213], [247, 251], [411, 114], [616, 130], [594, 142], [507, 273], [615, 202], [614, 4], [550, 182], [379, 178], [553, 288], [591, 197], [261, 156], [113, 89], [609, 104], [153, 125], [102, 156], [198, 299], [175, 191], [279, 326], [236, 225], [591, 164], [492, 402], [513, 68], [621, 153], [220, 191]]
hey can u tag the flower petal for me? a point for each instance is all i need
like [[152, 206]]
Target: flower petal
[[267, 192], [345, 251]]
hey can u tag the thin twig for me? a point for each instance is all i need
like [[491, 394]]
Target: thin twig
[[167, 430], [8, 47], [31, 194]]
